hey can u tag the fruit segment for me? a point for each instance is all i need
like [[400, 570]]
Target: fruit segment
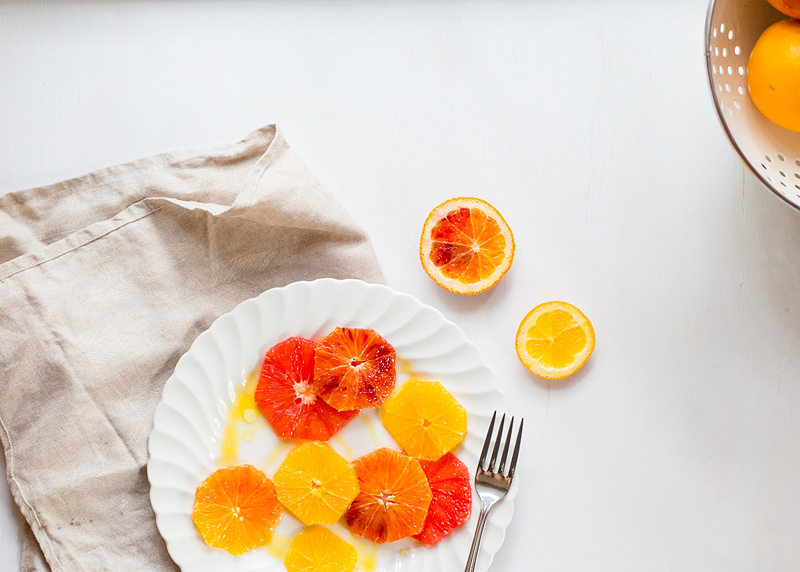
[[236, 509], [287, 398], [425, 419], [354, 368], [316, 484], [317, 549], [452, 498], [394, 497]]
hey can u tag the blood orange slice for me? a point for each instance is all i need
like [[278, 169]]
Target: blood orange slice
[[452, 498], [286, 394], [394, 497], [354, 368], [236, 509], [466, 245]]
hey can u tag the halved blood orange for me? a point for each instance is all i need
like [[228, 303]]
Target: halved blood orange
[[287, 397], [354, 368], [452, 498], [466, 245], [394, 497], [236, 508], [317, 549], [316, 483]]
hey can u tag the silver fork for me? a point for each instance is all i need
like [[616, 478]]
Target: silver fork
[[492, 485]]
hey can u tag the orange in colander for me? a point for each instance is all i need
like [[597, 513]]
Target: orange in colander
[[773, 74]]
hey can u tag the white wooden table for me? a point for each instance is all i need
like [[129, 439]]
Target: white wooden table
[[589, 125]]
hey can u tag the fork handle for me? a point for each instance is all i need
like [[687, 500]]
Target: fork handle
[[476, 540]]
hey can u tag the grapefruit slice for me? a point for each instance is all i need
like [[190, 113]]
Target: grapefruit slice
[[354, 368], [452, 498], [425, 419], [236, 509], [317, 549], [316, 483], [287, 398], [466, 245], [394, 497]]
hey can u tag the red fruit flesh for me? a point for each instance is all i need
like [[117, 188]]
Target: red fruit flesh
[[452, 498], [354, 368], [286, 396]]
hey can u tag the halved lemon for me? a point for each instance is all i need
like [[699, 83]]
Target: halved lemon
[[466, 245], [554, 340]]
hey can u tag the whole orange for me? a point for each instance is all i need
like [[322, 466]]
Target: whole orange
[[773, 74], [788, 7]]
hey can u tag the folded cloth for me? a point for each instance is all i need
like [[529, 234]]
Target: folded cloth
[[105, 281]]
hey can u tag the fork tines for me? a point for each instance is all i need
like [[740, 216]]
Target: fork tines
[[493, 461]]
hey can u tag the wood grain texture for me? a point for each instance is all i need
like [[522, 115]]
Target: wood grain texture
[[589, 125]]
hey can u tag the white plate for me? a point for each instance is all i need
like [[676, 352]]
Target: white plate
[[187, 435]]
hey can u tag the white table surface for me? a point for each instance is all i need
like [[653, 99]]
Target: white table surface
[[589, 125]]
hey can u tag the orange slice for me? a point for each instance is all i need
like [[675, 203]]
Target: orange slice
[[466, 246], [354, 368], [394, 497], [316, 483], [236, 509], [452, 498], [317, 549], [425, 419], [285, 394], [554, 340]]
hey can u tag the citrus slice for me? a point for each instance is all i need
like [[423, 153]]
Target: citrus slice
[[466, 245], [425, 419], [452, 498], [235, 508], [316, 484], [317, 549], [554, 340], [286, 396], [354, 368], [394, 497]]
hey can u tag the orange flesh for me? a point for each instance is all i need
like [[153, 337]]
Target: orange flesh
[[467, 245], [354, 368], [317, 549], [316, 483], [424, 419], [555, 339], [236, 509], [394, 497]]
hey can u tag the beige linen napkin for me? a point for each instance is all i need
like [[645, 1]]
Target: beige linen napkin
[[105, 280]]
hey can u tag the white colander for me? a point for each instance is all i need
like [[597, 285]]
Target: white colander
[[771, 152]]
